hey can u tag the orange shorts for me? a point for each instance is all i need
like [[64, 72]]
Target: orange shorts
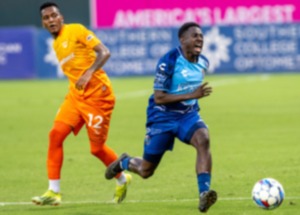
[[94, 113]]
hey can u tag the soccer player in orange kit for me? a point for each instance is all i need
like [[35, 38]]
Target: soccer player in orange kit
[[90, 100]]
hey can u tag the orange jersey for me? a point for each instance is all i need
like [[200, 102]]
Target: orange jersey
[[74, 50]]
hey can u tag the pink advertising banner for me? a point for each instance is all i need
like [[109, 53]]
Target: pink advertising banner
[[160, 13]]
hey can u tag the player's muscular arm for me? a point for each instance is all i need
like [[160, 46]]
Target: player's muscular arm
[[103, 55], [161, 97]]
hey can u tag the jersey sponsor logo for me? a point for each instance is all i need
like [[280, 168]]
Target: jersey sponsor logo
[[160, 78], [66, 59], [187, 87]]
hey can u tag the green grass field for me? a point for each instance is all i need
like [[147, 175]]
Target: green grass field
[[254, 123]]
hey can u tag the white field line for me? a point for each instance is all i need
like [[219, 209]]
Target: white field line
[[225, 82], [144, 201]]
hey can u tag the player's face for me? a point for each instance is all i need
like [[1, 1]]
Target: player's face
[[52, 20], [192, 41]]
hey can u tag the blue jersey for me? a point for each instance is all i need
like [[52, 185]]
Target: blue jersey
[[176, 75]]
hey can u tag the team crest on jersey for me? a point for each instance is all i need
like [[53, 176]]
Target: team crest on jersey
[[89, 37], [65, 44]]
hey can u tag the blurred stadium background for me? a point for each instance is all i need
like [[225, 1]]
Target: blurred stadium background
[[240, 37]]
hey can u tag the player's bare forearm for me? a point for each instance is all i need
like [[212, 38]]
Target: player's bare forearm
[[162, 97], [202, 91], [103, 55]]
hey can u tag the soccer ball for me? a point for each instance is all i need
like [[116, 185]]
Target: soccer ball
[[268, 193]]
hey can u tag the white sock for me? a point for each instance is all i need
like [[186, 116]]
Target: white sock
[[122, 179], [54, 185]]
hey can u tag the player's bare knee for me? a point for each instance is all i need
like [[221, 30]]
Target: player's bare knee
[[201, 142], [205, 141], [204, 144], [200, 138]]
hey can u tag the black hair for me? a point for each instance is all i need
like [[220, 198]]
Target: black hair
[[185, 27], [48, 4]]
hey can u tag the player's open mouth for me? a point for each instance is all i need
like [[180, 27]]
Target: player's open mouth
[[198, 48], [52, 26]]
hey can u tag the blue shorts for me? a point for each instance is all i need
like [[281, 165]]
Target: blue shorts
[[160, 136]]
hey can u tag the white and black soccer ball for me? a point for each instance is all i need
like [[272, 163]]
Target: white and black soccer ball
[[268, 193]]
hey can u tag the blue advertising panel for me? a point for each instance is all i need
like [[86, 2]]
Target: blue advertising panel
[[230, 49], [253, 48], [17, 53], [136, 51], [47, 63]]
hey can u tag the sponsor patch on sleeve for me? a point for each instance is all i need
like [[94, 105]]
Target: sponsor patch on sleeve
[[89, 37]]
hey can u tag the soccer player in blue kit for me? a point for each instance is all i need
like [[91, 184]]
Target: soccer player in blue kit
[[173, 112]]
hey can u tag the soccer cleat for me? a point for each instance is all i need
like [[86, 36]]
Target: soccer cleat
[[207, 199], [121, 190], [48, 198], [114, 168]]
